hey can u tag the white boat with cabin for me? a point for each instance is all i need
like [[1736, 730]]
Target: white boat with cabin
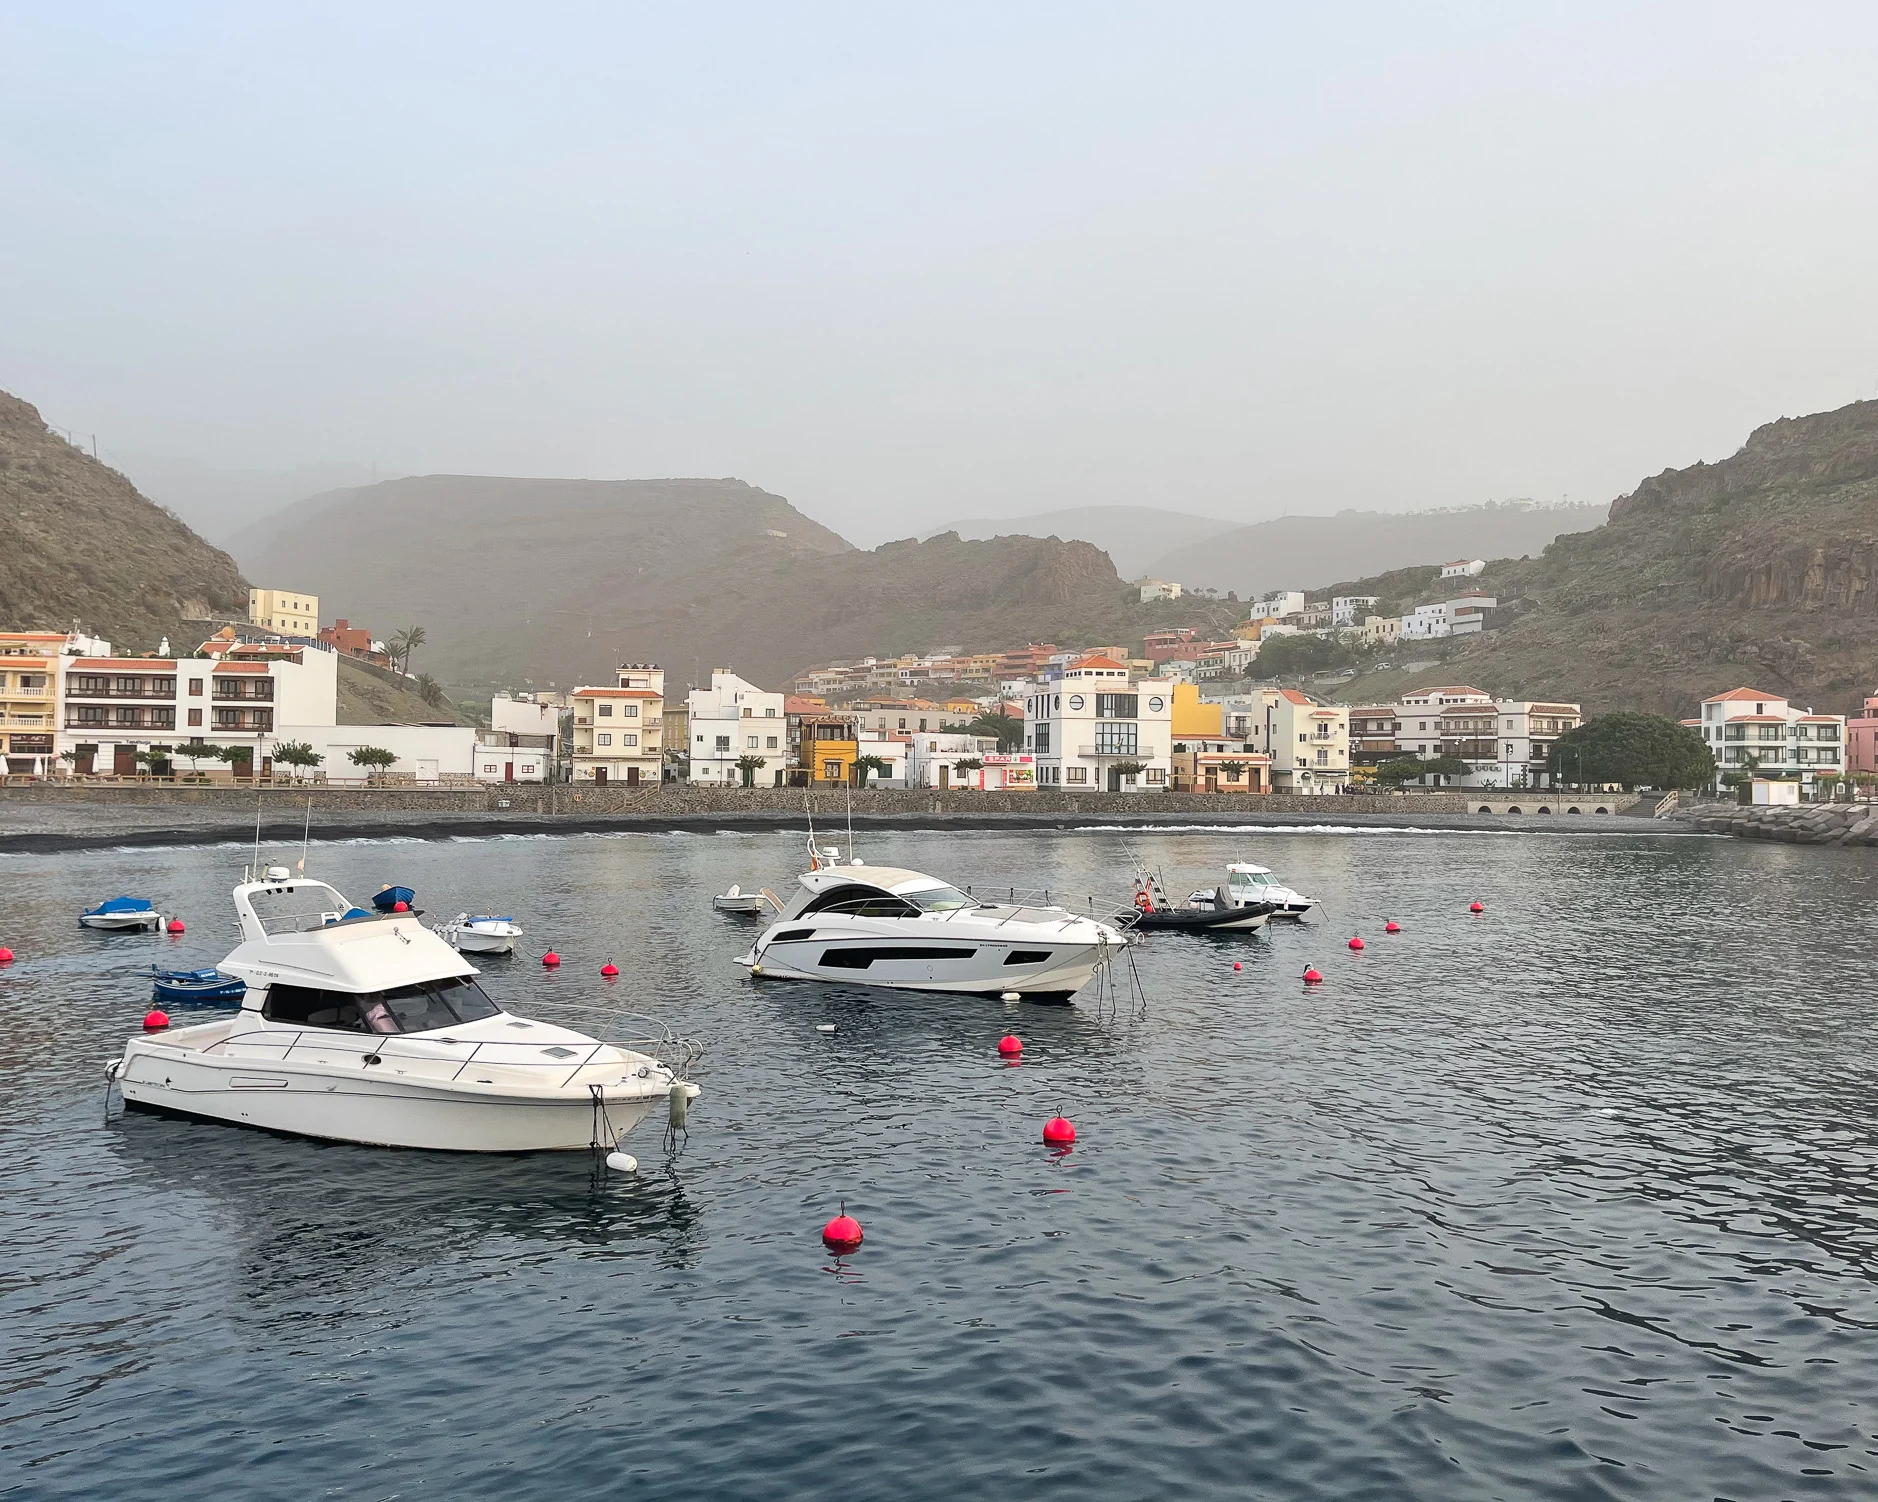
[[480, 933], [367, 1027], [856, 924], [1248, 885]]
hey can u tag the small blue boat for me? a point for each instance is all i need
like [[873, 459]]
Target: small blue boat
[[181, 987], [121, 913], [388, 899]]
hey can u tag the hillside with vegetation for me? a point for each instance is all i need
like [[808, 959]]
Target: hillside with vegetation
[[556, 582], [83, 545], [1761, 569]]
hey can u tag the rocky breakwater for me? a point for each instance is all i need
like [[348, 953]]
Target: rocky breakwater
[[1808, 824]]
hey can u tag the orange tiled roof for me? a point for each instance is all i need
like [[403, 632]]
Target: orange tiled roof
[[1097, 660], [1740, 693]]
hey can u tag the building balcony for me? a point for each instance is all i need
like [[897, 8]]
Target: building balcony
[[244, 719], [261, 689], [124, 719], [167, 695], [1140, 753]]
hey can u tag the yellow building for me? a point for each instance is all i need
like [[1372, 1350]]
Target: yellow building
[[1192, 720], [291, 612], [29, 701]]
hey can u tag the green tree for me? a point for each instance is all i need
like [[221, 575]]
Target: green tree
[[299, 755], [404, 644], [863, 765], [968, 764], [1632, 750], [1008, 729], [750, 765], [431, 690], [375, 759], [1293, 656], [1414, 768]]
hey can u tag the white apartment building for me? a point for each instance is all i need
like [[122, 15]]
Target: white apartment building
[[292, 612], [1463, 568], [1506, 743], [1308, 742], [245, 695], [1456, 617], [1280, 603], [618, 730], [1782, 740], [890, 746], [733, 718], [1344, 609], [1095, 720], [425, 753], [932, 759], [1380, 630], [522, 743], [1159, 589]]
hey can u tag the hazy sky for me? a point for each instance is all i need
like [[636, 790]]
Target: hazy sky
[[901, 262]]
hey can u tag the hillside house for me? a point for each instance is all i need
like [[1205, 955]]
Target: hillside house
[[619, 728]]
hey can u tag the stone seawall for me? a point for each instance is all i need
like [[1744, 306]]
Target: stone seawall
[[1807, 824], [588, 801]]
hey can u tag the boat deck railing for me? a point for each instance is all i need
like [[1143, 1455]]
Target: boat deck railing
[[1046, 904]]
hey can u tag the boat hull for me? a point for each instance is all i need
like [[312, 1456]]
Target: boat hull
[[372, 1110], [120, 922], [473, 943], [977, 969]]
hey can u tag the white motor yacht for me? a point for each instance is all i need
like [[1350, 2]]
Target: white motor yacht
[[856, 924], [480, 933], [1255, 886], [367, 1027], [122, 915]]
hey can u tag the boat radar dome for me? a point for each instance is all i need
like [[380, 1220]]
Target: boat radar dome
[[276, 873]]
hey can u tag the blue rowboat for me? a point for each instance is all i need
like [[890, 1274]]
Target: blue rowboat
[[390, 897], [180, 987]]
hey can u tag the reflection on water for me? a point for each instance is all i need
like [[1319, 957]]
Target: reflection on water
[[1575, 1199]]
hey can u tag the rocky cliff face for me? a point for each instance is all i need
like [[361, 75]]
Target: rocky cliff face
[[84, 545]]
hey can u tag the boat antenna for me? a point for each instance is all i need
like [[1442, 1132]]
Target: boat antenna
[[255, 871], [305, 830], [808, 807], [850, 791]]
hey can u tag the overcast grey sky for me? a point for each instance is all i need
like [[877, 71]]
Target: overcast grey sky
[[901, 262]]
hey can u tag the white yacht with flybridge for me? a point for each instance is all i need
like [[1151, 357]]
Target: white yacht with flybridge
[[856, 924], [1249, 886], [366, 1027]]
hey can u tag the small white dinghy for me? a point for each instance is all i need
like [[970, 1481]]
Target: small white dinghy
[[480, 933], [366, 1027], [736, 900]]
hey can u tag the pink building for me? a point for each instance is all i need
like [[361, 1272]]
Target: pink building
[[1861, 741]]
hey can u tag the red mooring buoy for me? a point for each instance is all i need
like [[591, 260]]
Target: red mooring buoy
[[1238, 964], [1356, 941], [609, 970], [176, 925], [550, 959], [1312, 975], [1010, 1044], [1478, 907], [843, 1233], [154, 1019], [1058, 1131], [1392, 927], [401, 907], [6, 955]]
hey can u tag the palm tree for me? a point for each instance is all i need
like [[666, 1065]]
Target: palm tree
[[404, 643], [865, 764], [750, 766], [431, 689]]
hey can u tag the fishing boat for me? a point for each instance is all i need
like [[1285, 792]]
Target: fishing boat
[[736, 900], [122, 915], [366, 1027], [480, 933], [1203, 912], [386, 899], [856, 924], [195, 987]]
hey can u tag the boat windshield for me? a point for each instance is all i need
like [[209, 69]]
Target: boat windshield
[[938, 899], [1249, 879], [420, 1008]]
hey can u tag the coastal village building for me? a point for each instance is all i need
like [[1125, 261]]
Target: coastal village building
[[933, 759], [1158, 589], [1748, 728], [1461, 616], [1372, 735], [350, 641], [31, 663], [522, 742], [1506, 743], [618, 730], [733, 719], [1205, 758], [822, 745], [1861, 741], [1344, 609], [1463, 568], [292, 612], [1308, 743], [1098, 728]]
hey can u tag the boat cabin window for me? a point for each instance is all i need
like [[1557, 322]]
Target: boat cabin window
[[939, 900], [421, 1008], [1248, 879], [861, 902], [297, 906]]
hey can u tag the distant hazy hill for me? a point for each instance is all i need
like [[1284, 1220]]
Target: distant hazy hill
[[82, 544], [220, 503], [558, 581], [1294, 552], [1760, 570], [1134, 536]]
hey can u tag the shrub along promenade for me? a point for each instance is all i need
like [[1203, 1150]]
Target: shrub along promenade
[[54, 816]]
